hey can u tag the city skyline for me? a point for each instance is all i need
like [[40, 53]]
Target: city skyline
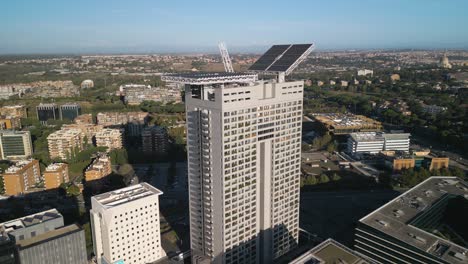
[[146, 27]]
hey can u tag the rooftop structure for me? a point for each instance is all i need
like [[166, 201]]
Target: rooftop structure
[[330, 252], [125, 195], [426, 224], [42, 238], [30, 220], [211, 78], [282, 59], [375, 142], [342, 124]]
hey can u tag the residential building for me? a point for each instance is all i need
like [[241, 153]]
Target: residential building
[[243, 144], [70, 111], [87, 84], [433, 109], [64, 143], [55, 174], [135, 94], [134, 121], [21, 177], [154, 140], [394, 77], [88, 131], [46, 112], [365, 72], [344, 83], [15, 144], [19, 111], [343, 124], [426, 224], [84, 119], [8, 122], [125, 225], [42, 238], [110, 138], [330, 252], [121, 118], [375, 142], [99, 168]]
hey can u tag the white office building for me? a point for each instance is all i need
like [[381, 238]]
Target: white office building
[[375, 142], [244, 155], [125, 225]]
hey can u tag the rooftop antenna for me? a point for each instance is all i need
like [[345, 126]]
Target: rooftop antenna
[[225, 56]]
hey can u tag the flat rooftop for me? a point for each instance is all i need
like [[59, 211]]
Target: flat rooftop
[[378, 136], [48, 235], [126, 195], [397, 217], [30, 220], [337, 121], [210, 77], [330, 251]]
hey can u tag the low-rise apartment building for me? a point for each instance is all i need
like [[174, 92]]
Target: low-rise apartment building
[[64, 143], [98, 169], [55, 174], [110, 138], [21, 177]]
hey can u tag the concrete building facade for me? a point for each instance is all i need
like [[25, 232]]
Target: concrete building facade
[[375, 142], [55, 174], [70, 111], [154, 140], [98, 169], [125, 225], [423, 225], [46, 112], [15, 144], [42, 238], [110, 138], [243, 144], [64, 143], [21, 177]]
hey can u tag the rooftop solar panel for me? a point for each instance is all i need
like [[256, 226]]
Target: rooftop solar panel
[[268, 57], [289, 58]]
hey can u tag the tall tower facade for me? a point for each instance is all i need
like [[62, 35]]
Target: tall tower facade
[[243, 143]]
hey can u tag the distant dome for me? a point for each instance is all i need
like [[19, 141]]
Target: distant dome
[[87, 84], [444, 62]]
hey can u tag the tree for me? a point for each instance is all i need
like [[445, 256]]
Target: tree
[[311, 180], [73, 190], [336, 177], [332, 146], [324, 178]]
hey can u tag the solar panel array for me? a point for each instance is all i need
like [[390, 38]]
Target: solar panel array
[[279, 58]]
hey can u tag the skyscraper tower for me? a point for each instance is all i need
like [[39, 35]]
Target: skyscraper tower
[[244, 144]]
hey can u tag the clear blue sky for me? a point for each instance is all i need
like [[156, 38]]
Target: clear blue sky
[[83, 26]]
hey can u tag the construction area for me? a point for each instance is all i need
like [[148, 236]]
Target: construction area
[[343, 124]]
